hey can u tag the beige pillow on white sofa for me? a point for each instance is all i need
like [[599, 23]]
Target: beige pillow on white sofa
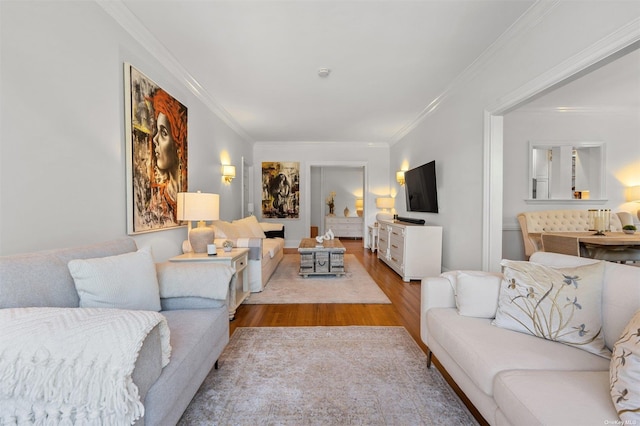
[[224, 230], [250, 227], [559, 304], [125, 281]]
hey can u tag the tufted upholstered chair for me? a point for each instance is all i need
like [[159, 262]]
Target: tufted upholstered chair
[[555, 221]]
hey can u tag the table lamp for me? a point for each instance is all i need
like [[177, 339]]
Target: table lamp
[[200, 207], [384, 203], [359, 206]]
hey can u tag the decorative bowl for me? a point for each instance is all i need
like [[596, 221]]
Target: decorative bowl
[[629, 231]]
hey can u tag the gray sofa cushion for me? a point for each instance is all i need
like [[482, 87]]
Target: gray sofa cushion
[[175, 303], [43, 278], [197, 339]]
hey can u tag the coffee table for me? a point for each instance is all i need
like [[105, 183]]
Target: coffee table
[[326, 258]]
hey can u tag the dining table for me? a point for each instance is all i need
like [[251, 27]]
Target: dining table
[[612, 246]]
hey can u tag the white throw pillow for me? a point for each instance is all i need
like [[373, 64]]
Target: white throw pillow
[[125, 281], [250, 222], [559, 304], [477, 293], [624, 373]]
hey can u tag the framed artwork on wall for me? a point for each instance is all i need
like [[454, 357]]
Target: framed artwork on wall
[[281, 190], [156, 151]]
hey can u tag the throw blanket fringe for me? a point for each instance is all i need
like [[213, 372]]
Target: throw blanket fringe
[[68, 366]]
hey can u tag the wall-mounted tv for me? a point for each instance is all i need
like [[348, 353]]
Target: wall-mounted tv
[[420, 189]]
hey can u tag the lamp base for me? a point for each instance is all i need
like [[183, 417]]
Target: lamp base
[[199, 238]]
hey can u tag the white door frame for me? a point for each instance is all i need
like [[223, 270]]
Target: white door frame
[[615, 45], [306, 202]]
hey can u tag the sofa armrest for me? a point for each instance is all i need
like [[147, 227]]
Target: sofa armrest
[[254, 244], [438, 292], [194, 280]]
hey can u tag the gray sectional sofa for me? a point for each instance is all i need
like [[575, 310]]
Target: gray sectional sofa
[[199, 326]]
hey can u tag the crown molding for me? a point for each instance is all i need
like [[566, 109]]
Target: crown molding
[[131, 24], [322, 144], [579, 110], [626, 37], [531, 18]]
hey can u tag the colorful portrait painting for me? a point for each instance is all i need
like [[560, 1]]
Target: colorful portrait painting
[[156, 153], [281, 190]]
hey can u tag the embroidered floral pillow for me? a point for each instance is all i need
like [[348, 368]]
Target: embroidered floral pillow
[[624, 373], [559, 304]]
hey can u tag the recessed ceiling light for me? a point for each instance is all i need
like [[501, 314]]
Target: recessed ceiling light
[[324, 72]]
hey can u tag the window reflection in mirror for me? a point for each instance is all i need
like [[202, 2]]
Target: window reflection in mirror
[[566, 171]]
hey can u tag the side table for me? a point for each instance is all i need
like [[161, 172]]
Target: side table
[[237, 259], [373, 237]]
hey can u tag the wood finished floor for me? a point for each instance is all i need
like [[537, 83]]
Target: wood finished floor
[[404, 309]]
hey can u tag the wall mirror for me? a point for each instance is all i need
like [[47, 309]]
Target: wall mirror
[[567, 171]]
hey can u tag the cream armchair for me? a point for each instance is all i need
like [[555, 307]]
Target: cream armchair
[[555, 221]]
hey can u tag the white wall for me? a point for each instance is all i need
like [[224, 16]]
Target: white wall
[[62, 149], [620, 132], [453, 133], [373, 157]]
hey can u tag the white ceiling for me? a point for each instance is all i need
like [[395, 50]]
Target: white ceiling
[[389, 59]]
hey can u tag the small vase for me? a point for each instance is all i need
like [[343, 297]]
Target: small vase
[[346, 212]]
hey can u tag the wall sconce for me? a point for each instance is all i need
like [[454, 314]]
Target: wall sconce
[[228, 173], [400, 177], [632, 194]]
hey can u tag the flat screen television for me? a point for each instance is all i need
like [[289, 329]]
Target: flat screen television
[[420, 189]]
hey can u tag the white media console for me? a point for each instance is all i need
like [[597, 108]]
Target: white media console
[[413, 251]]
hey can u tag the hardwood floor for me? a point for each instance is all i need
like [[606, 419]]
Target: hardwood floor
[[404, 309]]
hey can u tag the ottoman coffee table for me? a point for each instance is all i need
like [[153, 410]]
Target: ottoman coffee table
[[326, 258]]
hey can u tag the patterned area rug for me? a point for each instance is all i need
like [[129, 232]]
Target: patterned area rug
[[324, 376], [286, 286]]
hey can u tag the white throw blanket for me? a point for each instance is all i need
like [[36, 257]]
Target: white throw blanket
[[68, 366]]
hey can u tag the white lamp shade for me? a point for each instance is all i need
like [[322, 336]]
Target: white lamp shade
[[632, 194], [384, 202], [198, 206], [359, 203]]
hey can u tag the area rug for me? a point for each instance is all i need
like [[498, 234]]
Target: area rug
[[324, 376], [286, 286]]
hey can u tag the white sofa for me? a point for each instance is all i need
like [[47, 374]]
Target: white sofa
[[514, 378], [265, 241]]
